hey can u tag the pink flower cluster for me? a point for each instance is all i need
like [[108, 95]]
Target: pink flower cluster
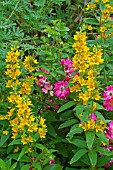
[[60, 89], [68, 68], [45, 85], [108, 98]]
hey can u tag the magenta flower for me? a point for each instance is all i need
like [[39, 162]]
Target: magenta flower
[[68, 68], [93, 116], [108, 104], [108, 93], [51, 162], [109, 133], [108, 96], [60, 89], [66, 62]]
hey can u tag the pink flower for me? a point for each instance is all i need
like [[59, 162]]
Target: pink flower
[[41, 80], [47, 87], [108, 104], [66, 62], [68, 68], [93, 116], [109, 133], [44, 70], [108, 93], [60, 89], [107, 165], [51, 162]]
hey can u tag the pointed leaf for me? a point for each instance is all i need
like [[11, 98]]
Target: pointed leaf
[[4, 138], [68, 123], [66, 106], [90, 136], [13, 166], [22, 152], [93, 157], [16, 142], [53, 167], [78, 142], [102, 137], [3, 165], [78, 155], [26, 167]]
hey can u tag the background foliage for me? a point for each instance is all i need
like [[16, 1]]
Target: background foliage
[[44, 29]]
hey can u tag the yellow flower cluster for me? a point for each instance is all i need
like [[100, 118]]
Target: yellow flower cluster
[[86, 62], [106, 15], [90, 6], [13, 67], [92, 125], [20, 116], [28, 63]]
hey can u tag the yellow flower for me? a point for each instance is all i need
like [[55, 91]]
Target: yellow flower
[[9, 83], [16, 149], [90, 27], [14, 135], [105, 1], [102, 28], [5, 132], [42, 132]]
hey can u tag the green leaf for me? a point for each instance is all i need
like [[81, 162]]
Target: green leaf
[[4, 138], [92, 21], [99, 115], [79, 109], [78, 142], [64, 29], [68, 123], [3, 165], [74, 130], [22, 152], [102, 137], [66, 106], [37, 165], [102, 160], [100, 107], [51, 130], [90, 136], [53, 167], [13, 166], [103, 151], [15, 142], [78, 155], [26, 167], [102, 7], [40, 146], [93, 157], [85, 115]]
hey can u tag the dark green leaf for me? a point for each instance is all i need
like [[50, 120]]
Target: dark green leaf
[[78, 155], [23, 152], [78, 142], [68, 123]]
